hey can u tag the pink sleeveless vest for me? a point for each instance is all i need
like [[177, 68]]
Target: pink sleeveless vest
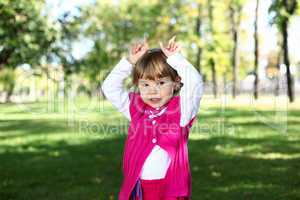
[[168, 134]]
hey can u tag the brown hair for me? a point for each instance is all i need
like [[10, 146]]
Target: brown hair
[[153, 65]]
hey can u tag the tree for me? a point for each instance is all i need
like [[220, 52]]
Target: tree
[[111, 28], [235, 9], [256, 53], [283, 10], [25, 35], [198, 32], [211, 48]]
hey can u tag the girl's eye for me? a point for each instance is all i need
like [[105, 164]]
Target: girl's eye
[[146, 84], [161, 82]]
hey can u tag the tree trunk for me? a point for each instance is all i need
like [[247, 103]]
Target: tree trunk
[[256, 55], [212, 44], [9, 92], [198, 32], [277, 77], [214, 77], [5, 54], [286, 60], [224, 84], [234, 52]]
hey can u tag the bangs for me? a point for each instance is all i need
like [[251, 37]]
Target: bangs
[[153, 71]]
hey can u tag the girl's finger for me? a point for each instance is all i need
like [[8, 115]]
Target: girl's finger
[[143, 48], [170, 43], [134, 46], [161, 45], [172, 40], [170, 47], [173, 44], [139, 46], [138, 50], [145, 39], [146, 45], [132, 50], [178, 47]]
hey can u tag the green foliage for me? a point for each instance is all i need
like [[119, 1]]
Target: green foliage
[[7, 79], [62, 49], [113, 27], [25, 34], [282, 10]]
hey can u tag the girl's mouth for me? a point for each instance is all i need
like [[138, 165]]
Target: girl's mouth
[[155, 100]]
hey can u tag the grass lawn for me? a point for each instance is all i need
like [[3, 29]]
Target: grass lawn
[[239, 150]]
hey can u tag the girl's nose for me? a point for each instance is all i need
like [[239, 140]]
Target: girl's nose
[[154, 89]]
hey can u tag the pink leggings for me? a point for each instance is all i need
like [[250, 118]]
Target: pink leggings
[[153, 189]]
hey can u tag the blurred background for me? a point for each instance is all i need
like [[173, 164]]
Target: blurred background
[[60, 138]]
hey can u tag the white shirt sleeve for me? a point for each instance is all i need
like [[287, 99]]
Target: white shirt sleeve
[[113, 89], [192, 89]]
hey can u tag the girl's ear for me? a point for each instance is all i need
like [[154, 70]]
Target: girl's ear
[[178, 79], [178, 84]]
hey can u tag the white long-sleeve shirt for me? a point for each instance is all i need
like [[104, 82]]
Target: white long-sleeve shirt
[[157, 163]]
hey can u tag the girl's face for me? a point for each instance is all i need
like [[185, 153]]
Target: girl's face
[[157, 93]]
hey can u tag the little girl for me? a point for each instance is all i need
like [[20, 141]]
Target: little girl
[[155, 158]]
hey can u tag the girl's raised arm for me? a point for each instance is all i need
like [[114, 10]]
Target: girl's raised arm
[[112, 86], [113, 89], [192, 90]]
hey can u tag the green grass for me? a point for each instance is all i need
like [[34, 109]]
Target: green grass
[[238, 150]]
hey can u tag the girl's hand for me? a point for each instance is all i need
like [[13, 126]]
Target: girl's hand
[[172, 48], [137, 50]]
